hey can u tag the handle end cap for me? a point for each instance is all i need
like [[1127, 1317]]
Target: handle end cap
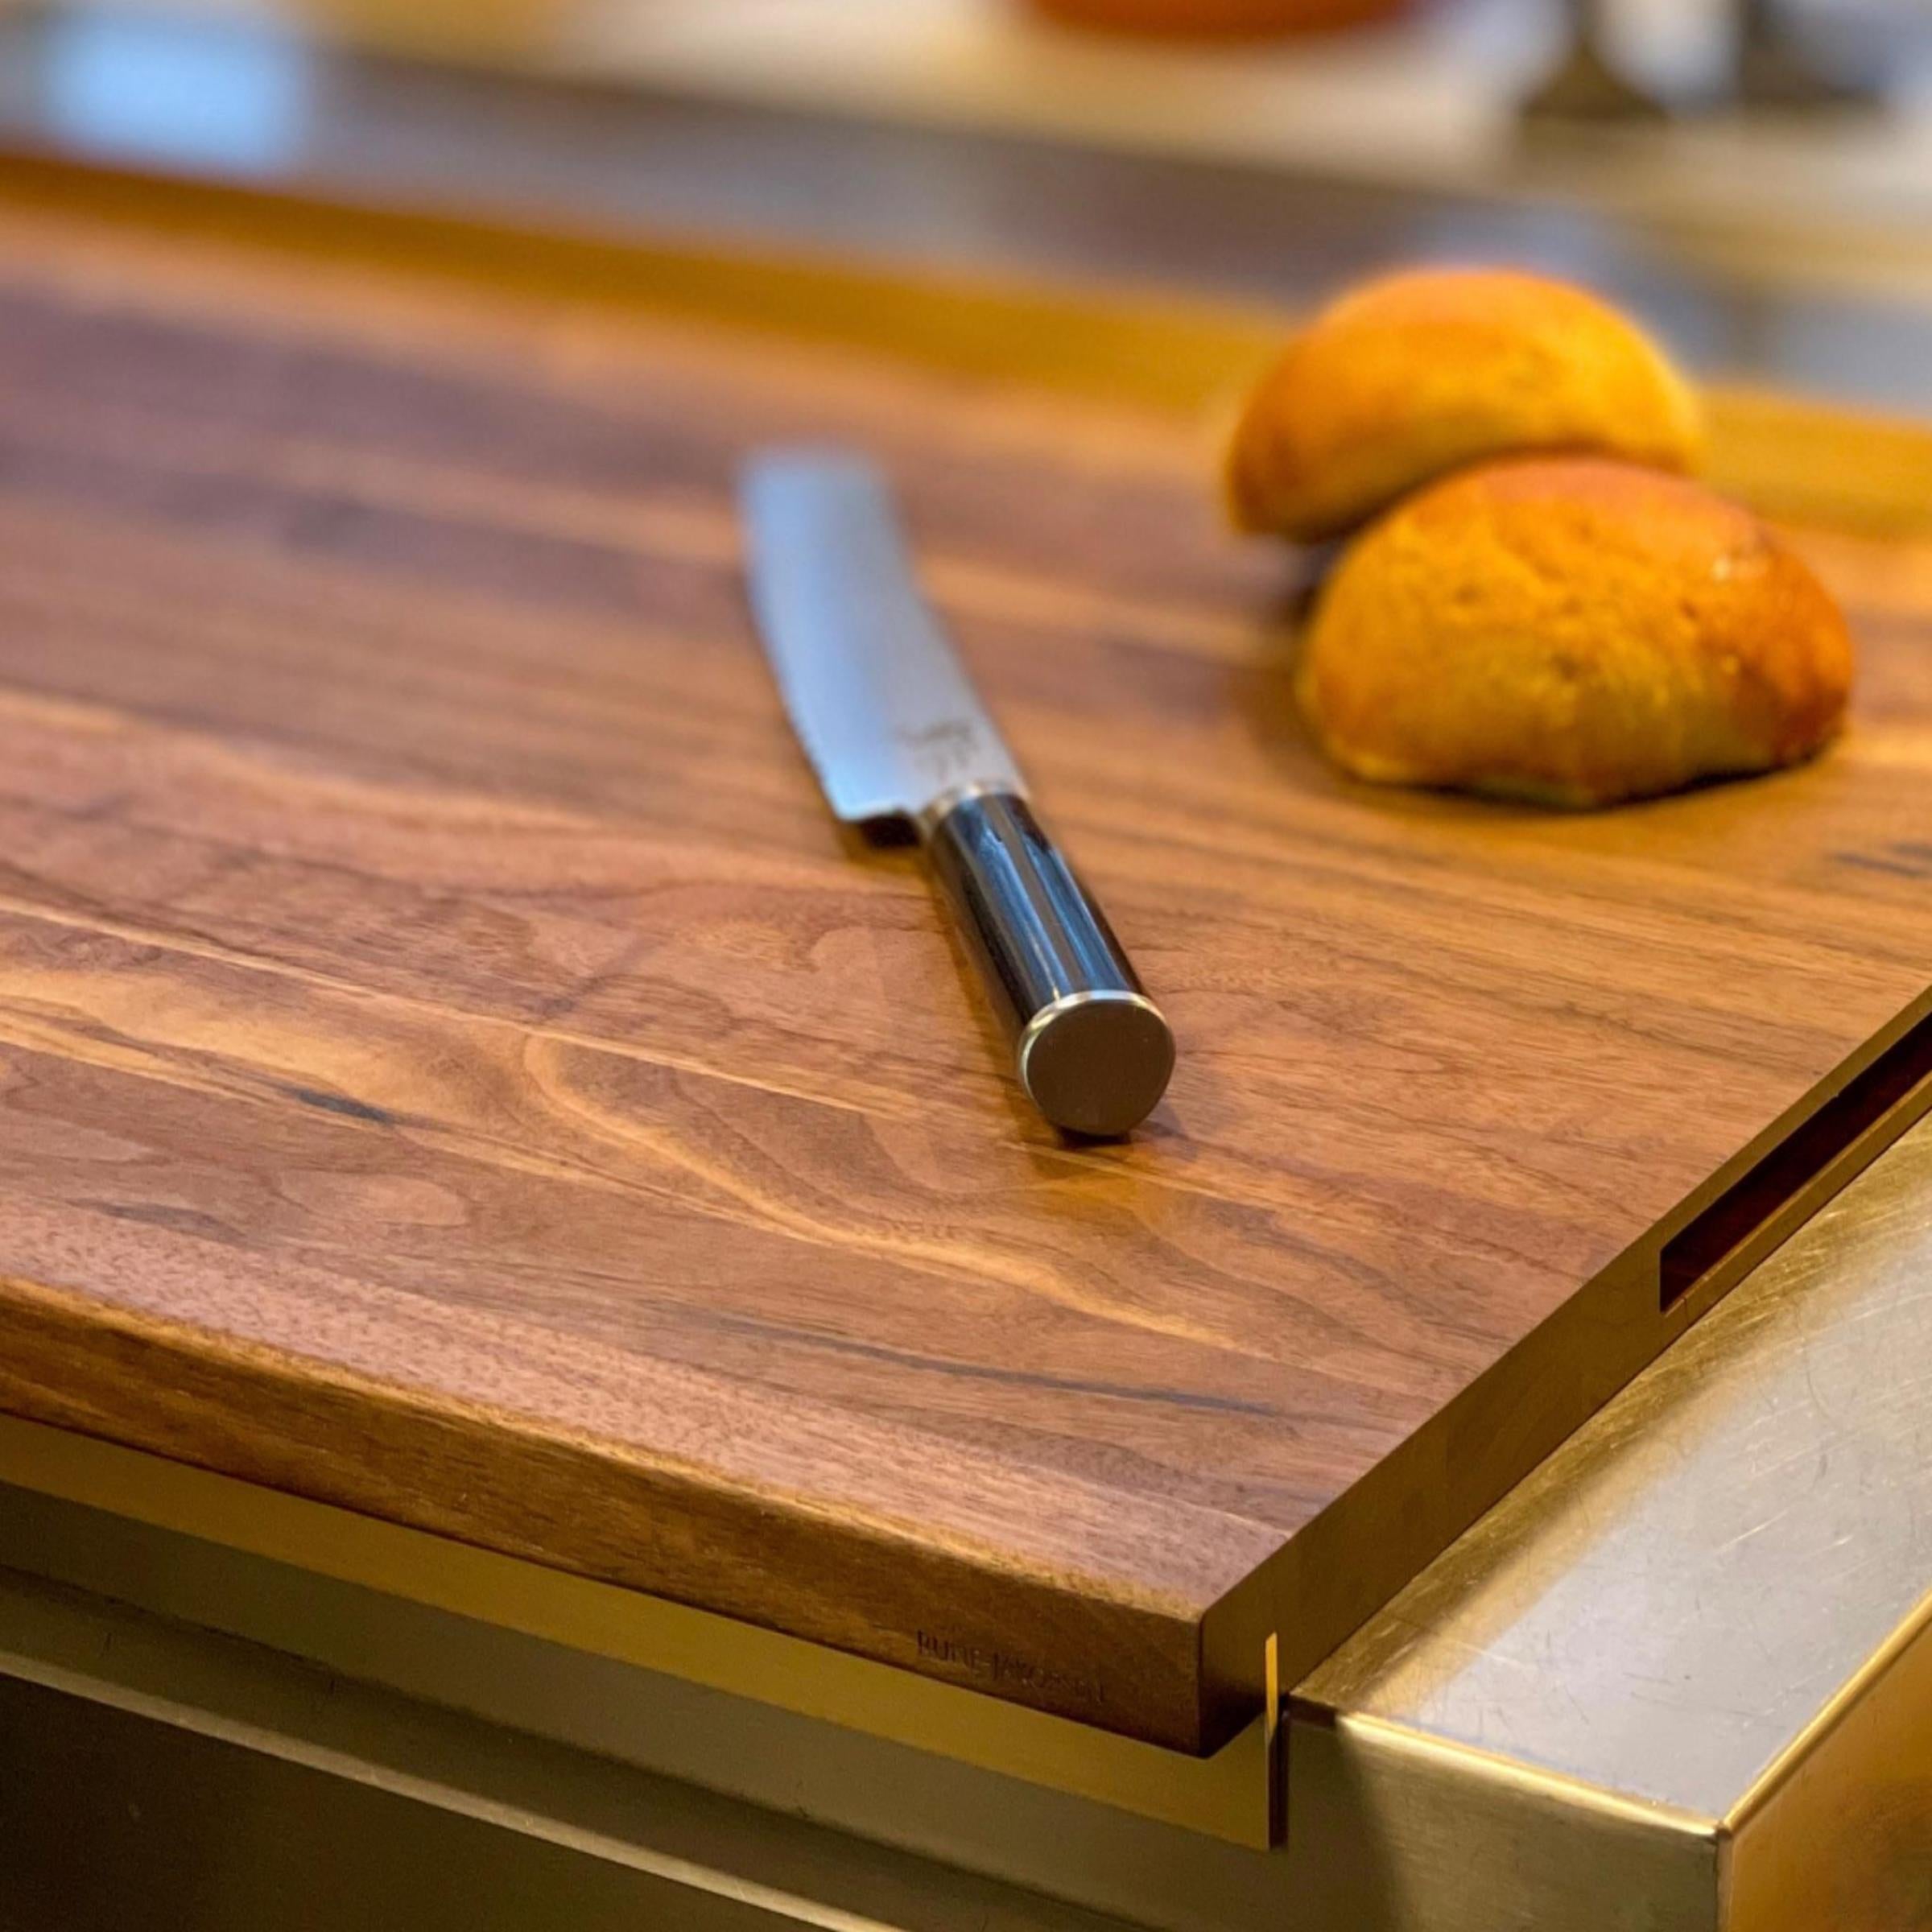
[[1096, 1063]]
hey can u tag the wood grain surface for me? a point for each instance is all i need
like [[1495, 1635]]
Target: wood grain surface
[[452, 1065]]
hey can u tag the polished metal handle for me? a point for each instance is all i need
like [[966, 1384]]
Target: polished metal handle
[[1092, 1051]]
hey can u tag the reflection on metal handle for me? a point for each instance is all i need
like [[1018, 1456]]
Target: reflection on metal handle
[[1091, 1050]]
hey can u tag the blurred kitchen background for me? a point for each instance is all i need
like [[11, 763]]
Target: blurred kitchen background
[[1757, 177]]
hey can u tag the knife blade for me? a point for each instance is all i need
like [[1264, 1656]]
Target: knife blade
[[895, 732]]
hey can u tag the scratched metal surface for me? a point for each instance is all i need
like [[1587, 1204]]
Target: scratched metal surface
[[1664, 1605]]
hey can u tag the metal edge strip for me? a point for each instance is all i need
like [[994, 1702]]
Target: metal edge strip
[[1224, 1797], [1850, 1695], [1533, 1780]]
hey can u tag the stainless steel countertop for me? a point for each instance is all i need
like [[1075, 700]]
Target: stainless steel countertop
[[1668, 1602]]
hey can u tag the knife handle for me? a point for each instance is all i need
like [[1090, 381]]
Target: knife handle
[[1091, 1049]]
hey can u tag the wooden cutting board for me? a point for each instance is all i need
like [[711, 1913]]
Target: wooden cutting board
[[453, 1066]]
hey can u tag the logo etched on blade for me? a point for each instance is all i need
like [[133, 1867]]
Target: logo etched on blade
[[944, 753]]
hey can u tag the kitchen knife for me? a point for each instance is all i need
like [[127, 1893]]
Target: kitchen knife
[[896, 732]]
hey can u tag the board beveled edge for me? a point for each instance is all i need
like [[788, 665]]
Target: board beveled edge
[[262, 1415]]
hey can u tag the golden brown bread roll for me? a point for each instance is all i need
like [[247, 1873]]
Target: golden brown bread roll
[[1417, 374], [1573, 631]]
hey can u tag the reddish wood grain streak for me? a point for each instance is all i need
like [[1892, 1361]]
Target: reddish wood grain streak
[[451, 1064]]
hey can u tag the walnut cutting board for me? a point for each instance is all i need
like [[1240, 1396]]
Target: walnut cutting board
[[453, 1066]]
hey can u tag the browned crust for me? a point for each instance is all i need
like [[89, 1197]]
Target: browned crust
[[1574, 630], [1422, 372]]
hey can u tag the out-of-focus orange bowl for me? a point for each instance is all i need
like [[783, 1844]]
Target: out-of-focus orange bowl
[[1236, 18]]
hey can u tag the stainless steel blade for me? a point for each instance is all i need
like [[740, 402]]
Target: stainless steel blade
[[884, 710]]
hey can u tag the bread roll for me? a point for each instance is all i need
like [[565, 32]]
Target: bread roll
[[1417, 374], [1571, 631]]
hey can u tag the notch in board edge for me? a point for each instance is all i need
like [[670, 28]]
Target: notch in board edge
[[1706, 1240]]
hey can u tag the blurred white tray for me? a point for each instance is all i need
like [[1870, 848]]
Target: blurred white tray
[[1428, 101]]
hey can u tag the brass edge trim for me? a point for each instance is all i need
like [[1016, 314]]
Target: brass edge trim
[[1273, 1742], [1152, 347], [1223, 1797], [1916, 1626], [1532, 1780]]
